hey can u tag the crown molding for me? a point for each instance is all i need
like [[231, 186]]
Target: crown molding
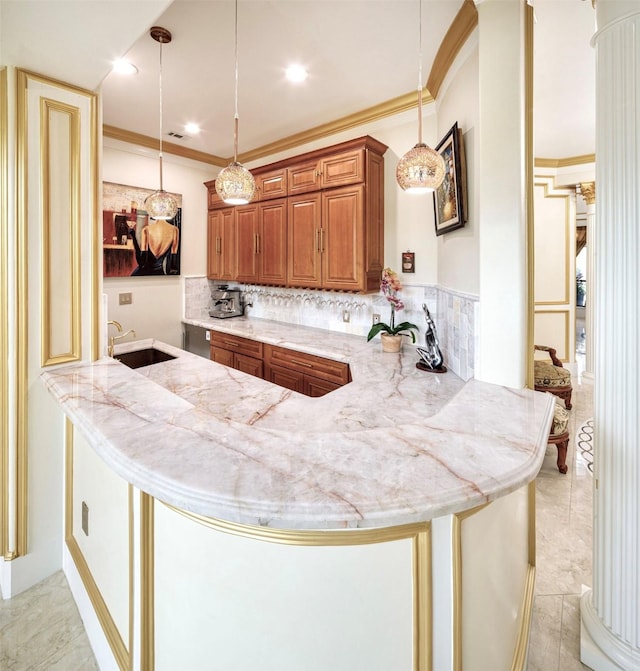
[[462, 26], [168, 147], [564, 162]]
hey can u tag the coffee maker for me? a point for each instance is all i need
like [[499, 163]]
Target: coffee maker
[[226, 302]]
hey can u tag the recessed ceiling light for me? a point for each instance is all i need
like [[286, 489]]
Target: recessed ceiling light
[[122, 66], [192, 128], [296, 73]]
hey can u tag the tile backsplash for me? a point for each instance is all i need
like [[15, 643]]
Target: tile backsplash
[[454, 314]]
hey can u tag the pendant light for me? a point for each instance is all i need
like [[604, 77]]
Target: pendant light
[[421, 169], [235, 184], [160, 204]]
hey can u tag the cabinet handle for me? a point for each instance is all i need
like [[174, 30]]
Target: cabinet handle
[[302, 363], [257, 243], [318, 241], [218, 245], [321, 241]]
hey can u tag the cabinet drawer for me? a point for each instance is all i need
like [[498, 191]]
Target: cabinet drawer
[[319, 367], [236, 344]]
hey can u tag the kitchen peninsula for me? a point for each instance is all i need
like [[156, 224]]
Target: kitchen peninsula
[[368, 528]]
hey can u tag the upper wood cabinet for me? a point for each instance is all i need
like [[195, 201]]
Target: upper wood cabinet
[[221, 244], [319, 220], [326, 172], [271, 184], [261, 238]]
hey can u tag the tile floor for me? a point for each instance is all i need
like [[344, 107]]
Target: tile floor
[[563, 544], [41, 629]]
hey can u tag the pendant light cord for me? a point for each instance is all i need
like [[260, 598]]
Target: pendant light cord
[[235, 118], [161, 189], [420, 76]]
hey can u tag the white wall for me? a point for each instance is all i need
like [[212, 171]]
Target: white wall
[[157, 305], [458, 251]]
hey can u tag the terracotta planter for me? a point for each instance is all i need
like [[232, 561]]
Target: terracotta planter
[[391, 343]]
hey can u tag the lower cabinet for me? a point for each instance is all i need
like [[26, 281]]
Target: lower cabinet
[[236, 352], [305, 373]]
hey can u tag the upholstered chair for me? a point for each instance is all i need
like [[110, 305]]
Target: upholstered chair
[[552, 377]]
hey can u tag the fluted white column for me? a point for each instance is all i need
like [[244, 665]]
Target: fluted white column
[[611, 610], [588, 190]]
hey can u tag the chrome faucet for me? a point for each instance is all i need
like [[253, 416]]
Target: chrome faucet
[[112, 339]]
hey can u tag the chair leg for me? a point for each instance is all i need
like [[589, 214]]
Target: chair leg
[[562, 456], [567, 399]]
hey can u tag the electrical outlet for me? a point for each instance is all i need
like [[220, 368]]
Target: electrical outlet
[[125, 299], [207, 336], [85, 518], [376, 319], [346, 317]]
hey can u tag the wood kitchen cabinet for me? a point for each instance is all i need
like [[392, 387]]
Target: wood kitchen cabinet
[[326, 240], [261, 234], [221, 245], [306, 373], [319, 221], [326, 172], [270, 184], [237, 352]]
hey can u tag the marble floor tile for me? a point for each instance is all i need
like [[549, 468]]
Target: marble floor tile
[[41, 629], [563, 549]]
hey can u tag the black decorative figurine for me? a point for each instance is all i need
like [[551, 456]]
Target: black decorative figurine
[[430, 356]]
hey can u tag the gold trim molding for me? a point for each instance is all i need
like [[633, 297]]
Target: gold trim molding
[[4, 316], [463, 25], [529, 192], [48, 108], [565, 162], [147, 583]]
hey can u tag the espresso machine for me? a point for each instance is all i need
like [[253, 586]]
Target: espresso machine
[[226, 302]]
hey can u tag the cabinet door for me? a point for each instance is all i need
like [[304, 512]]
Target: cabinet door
[[303, 178], [342, 169], [221, 245], [247, 243], [289, 379], [247, 364], [272, 242], [223, 356], [342, 239], [272, 184], [315, 387], [303, 235]]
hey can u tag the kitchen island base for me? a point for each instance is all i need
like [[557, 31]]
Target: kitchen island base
[[197, 593]]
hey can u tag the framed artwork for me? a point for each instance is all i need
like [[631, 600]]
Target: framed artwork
[[133, 244], [451, 196]]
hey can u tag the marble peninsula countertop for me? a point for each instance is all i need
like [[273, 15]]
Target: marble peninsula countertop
[[394, 446]]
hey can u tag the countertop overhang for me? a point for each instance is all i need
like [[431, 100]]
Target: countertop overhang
[[395, 446]]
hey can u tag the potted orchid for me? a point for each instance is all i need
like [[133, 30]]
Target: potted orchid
[[390, 334]]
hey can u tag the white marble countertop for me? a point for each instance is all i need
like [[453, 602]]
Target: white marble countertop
[[394, 446]]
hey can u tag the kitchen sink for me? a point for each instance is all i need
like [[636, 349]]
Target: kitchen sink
[[143, 357]]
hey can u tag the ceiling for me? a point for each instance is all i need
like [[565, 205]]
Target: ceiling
[[359, 53]]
